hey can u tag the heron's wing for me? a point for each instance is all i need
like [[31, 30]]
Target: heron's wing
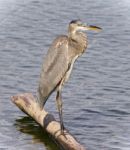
[[55, 64]]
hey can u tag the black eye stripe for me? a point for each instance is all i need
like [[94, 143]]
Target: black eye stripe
[[76, 22]]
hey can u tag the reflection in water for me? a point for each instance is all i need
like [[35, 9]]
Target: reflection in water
[[28, 125]]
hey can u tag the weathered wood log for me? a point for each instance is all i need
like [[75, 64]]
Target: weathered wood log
[[27, 103]]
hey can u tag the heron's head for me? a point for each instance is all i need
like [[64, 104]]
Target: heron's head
[[77, 25]]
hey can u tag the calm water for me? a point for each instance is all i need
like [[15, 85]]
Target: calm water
[[96, 99]]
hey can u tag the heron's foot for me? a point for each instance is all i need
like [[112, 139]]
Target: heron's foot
[[63, 131]]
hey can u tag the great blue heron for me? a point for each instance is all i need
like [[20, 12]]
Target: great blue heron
[[59, 62]]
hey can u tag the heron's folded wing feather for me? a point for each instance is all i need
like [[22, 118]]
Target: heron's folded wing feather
[[56, 62]]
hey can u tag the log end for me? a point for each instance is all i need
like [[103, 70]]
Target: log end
[[26, 97]]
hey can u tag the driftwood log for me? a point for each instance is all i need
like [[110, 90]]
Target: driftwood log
[[27, 103]]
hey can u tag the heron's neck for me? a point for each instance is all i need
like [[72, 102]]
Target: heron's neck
[[73, 35], [77, 36], [79, 39]]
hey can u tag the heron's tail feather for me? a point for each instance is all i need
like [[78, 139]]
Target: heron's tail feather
[[43, 94], [41, 100]]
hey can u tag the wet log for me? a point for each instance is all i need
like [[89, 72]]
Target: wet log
[[27, 103]]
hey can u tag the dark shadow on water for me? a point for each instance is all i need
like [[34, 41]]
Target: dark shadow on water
[[28, 126]]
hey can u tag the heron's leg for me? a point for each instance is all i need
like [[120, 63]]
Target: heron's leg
[[59, 106]]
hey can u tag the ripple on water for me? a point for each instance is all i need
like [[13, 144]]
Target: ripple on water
[[96, 99]]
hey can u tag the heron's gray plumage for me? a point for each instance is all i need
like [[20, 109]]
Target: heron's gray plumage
[[59, 61], [54, 67]]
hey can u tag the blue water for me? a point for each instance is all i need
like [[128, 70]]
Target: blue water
[[97, 97]]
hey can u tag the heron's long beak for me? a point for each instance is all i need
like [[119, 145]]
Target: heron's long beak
[[91, 27]]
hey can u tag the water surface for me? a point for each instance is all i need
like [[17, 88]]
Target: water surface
[[97, 97]]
